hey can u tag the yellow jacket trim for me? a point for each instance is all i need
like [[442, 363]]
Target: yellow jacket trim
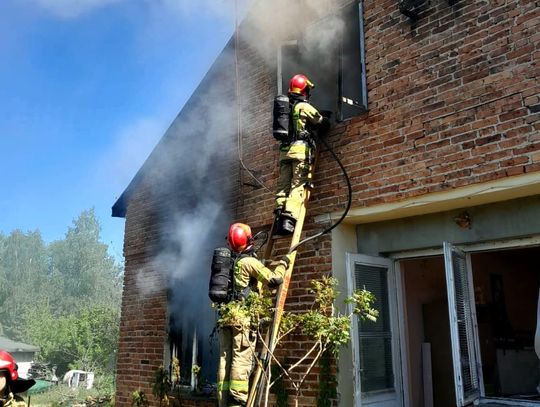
[[221, 386], [240, 385], [303, 113], [298, 149]]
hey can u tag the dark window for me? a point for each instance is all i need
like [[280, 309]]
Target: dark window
[[331, 53], [353, 87]]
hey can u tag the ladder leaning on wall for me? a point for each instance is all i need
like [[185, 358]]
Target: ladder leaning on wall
[[256, 388]]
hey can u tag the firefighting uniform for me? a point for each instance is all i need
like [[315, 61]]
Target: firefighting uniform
[[294, 160], [12, 400], [237, 343]]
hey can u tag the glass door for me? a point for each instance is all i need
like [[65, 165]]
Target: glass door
[[461, 312]]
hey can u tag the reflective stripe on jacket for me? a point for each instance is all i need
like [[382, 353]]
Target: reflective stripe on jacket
[[303, 115], [297, 148]]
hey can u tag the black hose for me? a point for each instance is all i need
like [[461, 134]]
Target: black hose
[[349, 202], [258, 245]]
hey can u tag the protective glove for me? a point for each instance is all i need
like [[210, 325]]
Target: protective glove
[[324, 126], [326, 114], [285, 260], [275, 282]]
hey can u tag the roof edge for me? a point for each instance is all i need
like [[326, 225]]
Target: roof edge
[[119, 208]]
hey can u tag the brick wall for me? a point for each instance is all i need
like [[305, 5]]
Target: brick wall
[[454, 100], [162, 190], [143, 322]]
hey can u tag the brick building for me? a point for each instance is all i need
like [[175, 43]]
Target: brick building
[[438, 126]]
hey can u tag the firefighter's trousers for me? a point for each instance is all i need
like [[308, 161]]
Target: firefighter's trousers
[[236, 356], [294, 173]]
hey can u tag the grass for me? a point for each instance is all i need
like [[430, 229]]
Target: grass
[[63, 396]]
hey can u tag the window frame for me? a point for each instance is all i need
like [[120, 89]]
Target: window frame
[[363, 105], [280, 78], [393, 397], [342, 99]]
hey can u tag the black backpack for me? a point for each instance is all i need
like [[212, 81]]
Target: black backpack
[[220, 288], [282, 123]]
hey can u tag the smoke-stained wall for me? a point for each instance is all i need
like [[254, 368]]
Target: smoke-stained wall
[[190, 189], [179, 207], [453, 101]]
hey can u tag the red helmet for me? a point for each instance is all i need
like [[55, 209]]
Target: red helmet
[[8, 363], [240, 238], [300, 85]]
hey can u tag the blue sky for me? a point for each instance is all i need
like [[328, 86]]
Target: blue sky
[[87, 88]]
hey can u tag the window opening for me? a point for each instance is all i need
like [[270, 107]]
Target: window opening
[[426, 316], [331, 53], [506, 294], [187, 347]]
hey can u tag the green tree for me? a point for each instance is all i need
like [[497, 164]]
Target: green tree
[[51, 334], [64, 297], [86, 340], [94, 338], [23, 278], [81, 270]]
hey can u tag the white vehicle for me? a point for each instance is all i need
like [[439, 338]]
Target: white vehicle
[[79, 378]]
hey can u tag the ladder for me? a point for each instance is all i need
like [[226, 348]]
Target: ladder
[[256, 388]]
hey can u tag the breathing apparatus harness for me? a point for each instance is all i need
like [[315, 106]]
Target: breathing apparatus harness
[[221, 288], [283, 126]]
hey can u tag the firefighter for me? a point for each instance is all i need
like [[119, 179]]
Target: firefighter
[[237, 340], [10, 383], [296, 154]]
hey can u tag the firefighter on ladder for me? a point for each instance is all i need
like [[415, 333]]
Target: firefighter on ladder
[[10, 383], [237, 338], [295, 155]]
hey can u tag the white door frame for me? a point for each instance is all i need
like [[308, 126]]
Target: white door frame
[[397, 257]]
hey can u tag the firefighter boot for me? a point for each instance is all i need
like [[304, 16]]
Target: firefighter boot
[[285, 224], [282, 227]]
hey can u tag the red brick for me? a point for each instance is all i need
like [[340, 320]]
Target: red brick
[[455, 111]]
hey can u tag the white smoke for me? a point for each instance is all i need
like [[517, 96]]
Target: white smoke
[[273, 21], [182, 172], [131, 147], [186, 161], [189, 231], [208, 132], [146, 282], [324, 36]]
